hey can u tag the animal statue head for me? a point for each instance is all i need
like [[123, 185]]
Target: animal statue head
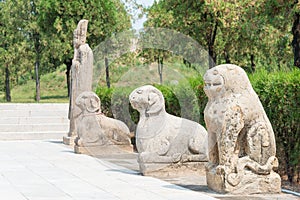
[[147, 99], [88, 102], [226, 79]]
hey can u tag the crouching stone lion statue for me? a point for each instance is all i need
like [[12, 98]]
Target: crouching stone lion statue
[[96, 132], [163, 139], [241, 140]]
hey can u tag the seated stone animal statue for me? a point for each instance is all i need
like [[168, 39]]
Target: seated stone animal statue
[[241, 142], [163, 139], [95, 129]]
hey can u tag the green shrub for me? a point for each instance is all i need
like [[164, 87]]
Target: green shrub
[[171, 101], [181, 100], [197, 84], [115, 103], [104, 94], [279, 94]]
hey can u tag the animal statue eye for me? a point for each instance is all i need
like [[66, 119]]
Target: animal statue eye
[[139, 91], [217, 84]]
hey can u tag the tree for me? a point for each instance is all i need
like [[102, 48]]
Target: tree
[[35, 37], [59, 19], [193, 18], [37, 34], [14, 48], [248, 33], [296, 33]]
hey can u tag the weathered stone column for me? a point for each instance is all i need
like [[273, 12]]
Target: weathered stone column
[[241, 141], [81, 75]]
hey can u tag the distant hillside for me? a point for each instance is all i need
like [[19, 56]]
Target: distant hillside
[[54, 85]]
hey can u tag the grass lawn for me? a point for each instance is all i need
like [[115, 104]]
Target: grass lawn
[[53, 88]]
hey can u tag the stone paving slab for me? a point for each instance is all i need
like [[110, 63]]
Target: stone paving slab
[[49, 170], [192, 181]]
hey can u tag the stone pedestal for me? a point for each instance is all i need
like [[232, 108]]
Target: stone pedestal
[[172, 170], [103, 150], [250, 184]]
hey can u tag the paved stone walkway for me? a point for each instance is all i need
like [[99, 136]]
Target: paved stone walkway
[[49, 170], [192, 181]]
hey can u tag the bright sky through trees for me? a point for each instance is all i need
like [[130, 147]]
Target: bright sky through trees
[[137, 22]]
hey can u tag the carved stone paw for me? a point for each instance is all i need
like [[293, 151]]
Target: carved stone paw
[[176, 157], [163, 147], [233, 179], [194, 145], [184, 158], [78, 141], [220, 169]]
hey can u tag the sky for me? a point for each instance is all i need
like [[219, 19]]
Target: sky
[[138, 23]]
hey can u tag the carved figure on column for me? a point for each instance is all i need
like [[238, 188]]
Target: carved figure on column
[[163, 140], [241, 142], [81, 75]]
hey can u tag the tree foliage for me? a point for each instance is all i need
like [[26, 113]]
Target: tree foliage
[[105, 19], [41, 31], [247, 33]]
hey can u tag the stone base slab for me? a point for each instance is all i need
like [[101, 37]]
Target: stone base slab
[[69, 140], [165, 170], [250, 184], [103, 150]]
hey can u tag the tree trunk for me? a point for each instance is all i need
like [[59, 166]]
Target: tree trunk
[[7, 84], [227, 57], [68, 72], [186, 63], [37, 81], [289, 168], [36, 37], [296, 39], [160, 66], [211, 41], [253, 66], [212, 56], [107, 72]]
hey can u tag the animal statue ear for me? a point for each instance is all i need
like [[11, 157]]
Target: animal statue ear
[[80, 101], [155, 103], [92, 104]]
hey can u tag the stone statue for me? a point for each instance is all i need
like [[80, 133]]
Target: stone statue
[[95, 130], [81, 75], [241, 142], [163, 139]]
